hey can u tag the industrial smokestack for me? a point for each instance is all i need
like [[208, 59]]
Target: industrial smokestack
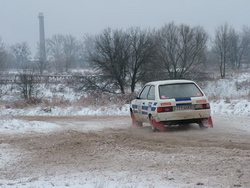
[[42, 57]]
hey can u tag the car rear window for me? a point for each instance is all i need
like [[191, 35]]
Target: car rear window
[[179, 91]]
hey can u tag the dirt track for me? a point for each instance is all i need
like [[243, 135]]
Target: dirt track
[[217, 157]]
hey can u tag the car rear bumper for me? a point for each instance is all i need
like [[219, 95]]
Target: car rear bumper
[[183, 116]]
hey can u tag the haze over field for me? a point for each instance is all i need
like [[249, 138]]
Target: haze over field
[[19, 19]]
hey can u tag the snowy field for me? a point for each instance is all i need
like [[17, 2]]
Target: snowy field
[[229, 98], [8, 124], [224, 154]]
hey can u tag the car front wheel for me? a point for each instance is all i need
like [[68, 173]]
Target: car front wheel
[[135, 122]]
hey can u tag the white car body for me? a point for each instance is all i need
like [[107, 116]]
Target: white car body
[[171, 102]]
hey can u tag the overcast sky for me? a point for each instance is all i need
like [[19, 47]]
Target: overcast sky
[[19, 18]]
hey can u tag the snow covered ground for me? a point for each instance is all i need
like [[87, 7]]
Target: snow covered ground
[[7, 124], [227, 97], [176, 164]]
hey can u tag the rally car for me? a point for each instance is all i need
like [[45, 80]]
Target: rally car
[[171, 103]]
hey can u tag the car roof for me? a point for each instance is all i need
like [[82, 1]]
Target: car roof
[[163, 82]]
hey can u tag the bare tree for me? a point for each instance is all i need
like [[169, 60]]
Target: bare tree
[[22, 53], [3, 55], [141, 54], [26, 84], [71, 51], [246, 58], [56, 51], [86, 46], [181, 48], [221, 46], [43, 63], [63, 51], [109, 55], [239, 43]]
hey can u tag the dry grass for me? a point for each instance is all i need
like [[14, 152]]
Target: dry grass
[[104, 99], [23, 103], [17, 104], [90, 99], [56, 101]]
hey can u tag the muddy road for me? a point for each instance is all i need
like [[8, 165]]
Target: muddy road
[[107, 146]]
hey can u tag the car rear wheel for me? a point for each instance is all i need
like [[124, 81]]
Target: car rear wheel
[[202, 126], [156, 126]]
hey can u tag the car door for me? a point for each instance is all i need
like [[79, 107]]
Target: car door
[[147, 97], [148, 103], [141, 103]]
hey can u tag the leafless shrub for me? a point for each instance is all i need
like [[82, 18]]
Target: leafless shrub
[[227, 100], [46, 109], [24, 103], [34, 100], [213, 97], [59, 101], [244, 85], [17, 104]]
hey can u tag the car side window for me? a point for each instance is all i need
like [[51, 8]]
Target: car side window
[[151, 93], [144, 92]]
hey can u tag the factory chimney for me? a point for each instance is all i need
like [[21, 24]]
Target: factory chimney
[[42, 54]]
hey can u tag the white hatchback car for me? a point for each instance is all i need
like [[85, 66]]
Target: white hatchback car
[[171, 102]]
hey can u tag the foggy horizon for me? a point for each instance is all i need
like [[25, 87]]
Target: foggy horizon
[[19, 19]]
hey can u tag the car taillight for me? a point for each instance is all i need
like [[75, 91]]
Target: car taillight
[[165, 109], [202, 106]]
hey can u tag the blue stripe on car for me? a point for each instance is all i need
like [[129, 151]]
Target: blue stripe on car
[[153, 108], [144, 107], [134, 106], [183, 99]]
